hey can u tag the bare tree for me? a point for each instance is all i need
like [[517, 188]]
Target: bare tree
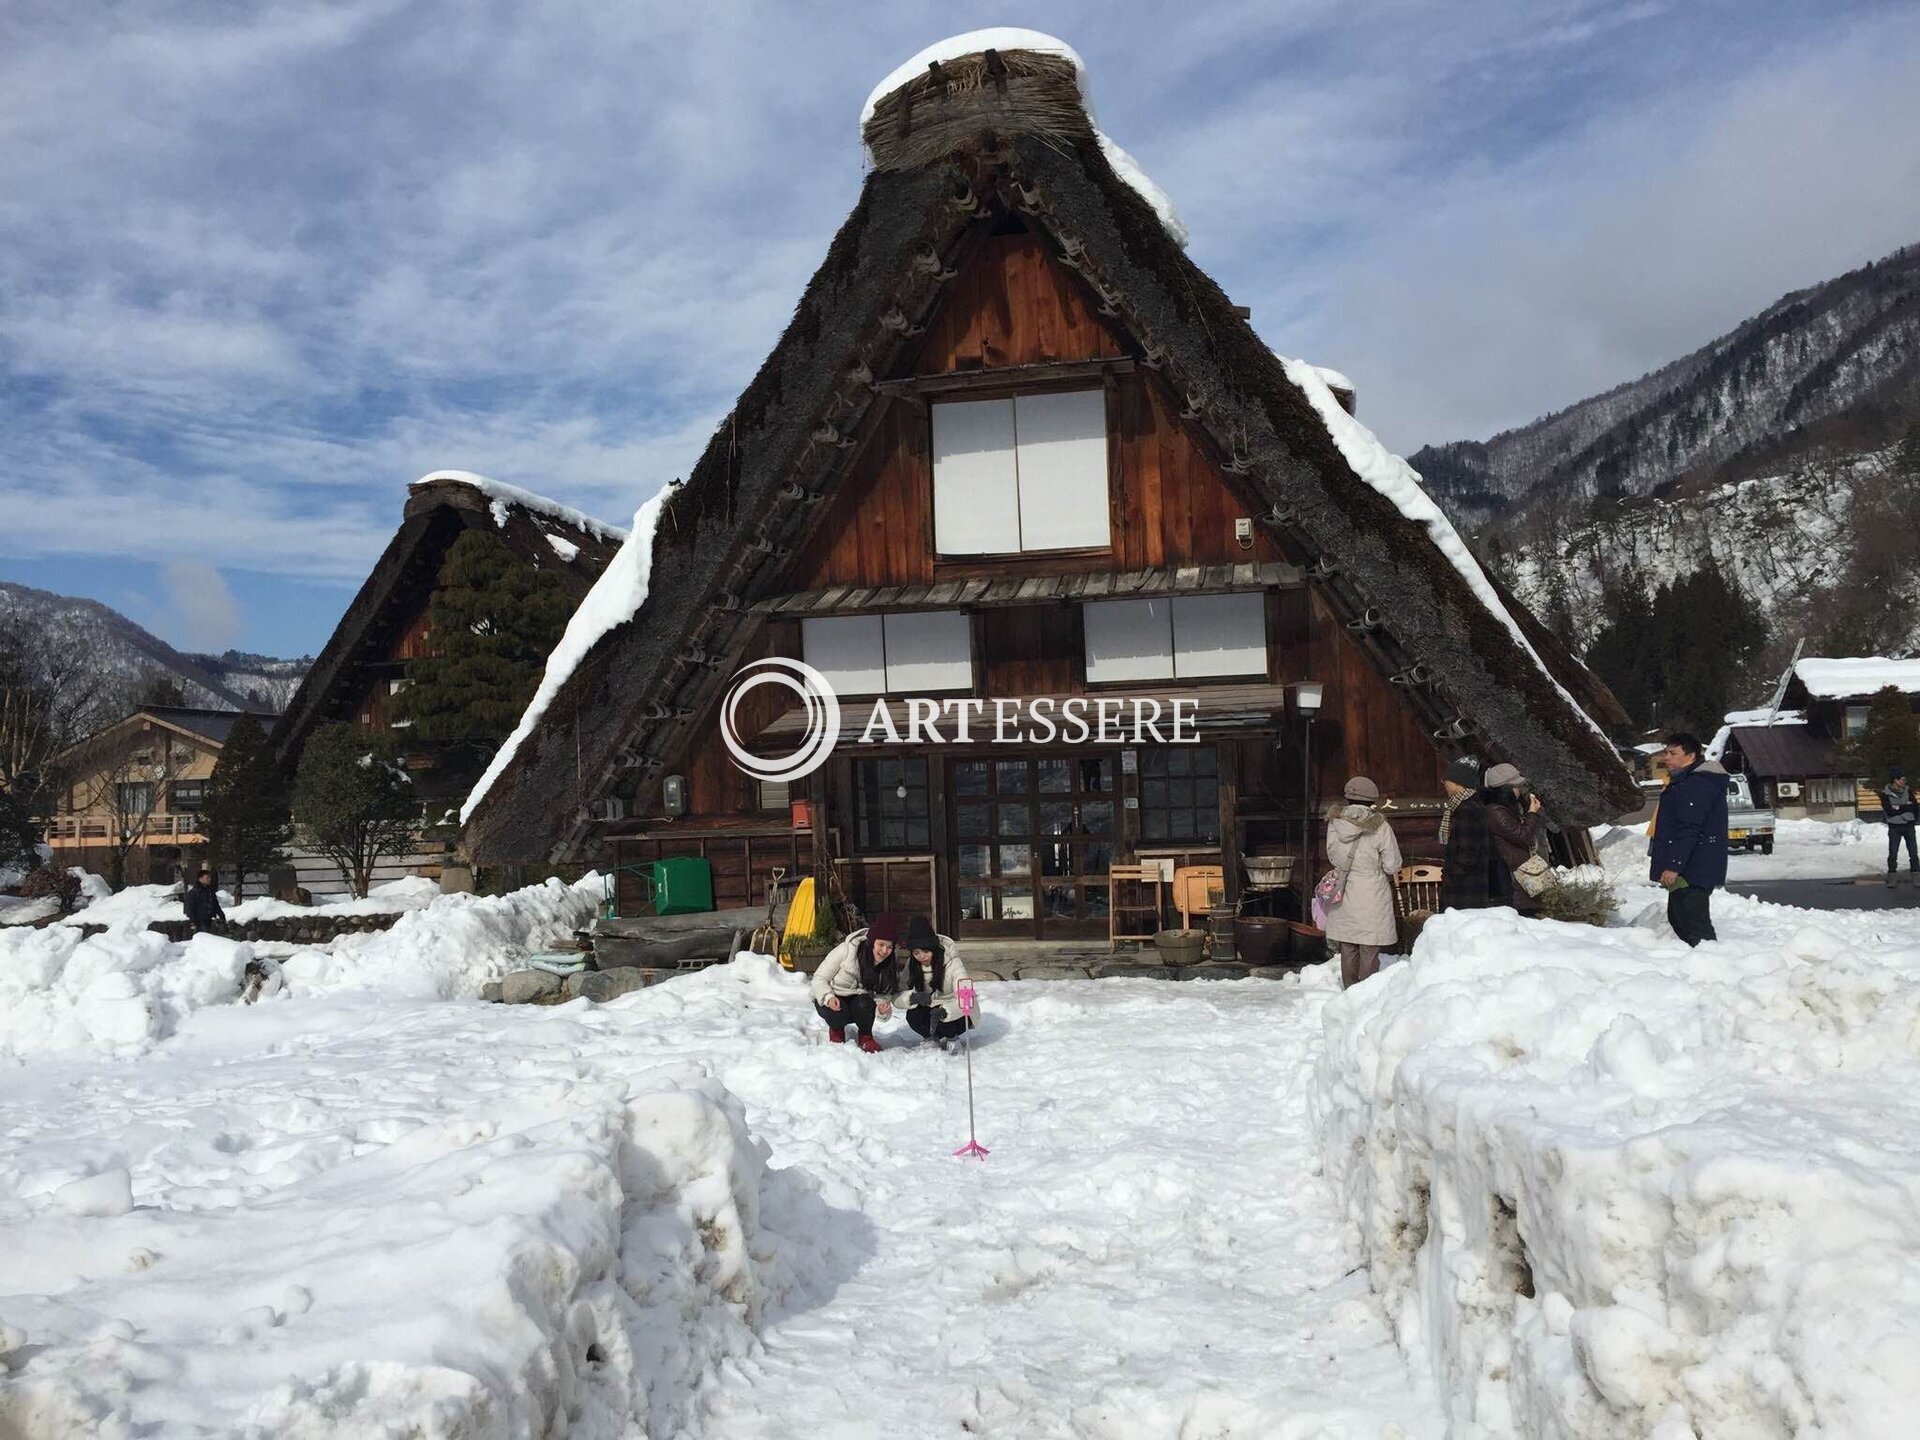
[[128, 789], [50, 696]]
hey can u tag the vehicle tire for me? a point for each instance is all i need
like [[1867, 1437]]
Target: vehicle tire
[[1766, 847]]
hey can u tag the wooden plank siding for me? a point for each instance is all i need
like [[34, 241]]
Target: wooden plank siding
[[1014, 305]]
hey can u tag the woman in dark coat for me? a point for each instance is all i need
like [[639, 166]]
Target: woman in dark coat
[[1472, 877], [1514, 821]]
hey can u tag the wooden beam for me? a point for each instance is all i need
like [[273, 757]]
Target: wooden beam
[[1007, 377], [1227, 769]]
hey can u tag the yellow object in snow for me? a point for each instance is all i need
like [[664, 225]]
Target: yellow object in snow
[[800, 919]]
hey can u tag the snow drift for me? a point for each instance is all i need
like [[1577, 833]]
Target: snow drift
[[566, 1259], [123, 991], [1612, 1187]]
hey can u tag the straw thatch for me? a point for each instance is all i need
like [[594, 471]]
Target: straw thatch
[[1013, 92]]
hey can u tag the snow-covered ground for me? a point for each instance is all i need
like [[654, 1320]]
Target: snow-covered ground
[[352, 1213], [1593, 1184], [1613, 1187], [1814, 850]]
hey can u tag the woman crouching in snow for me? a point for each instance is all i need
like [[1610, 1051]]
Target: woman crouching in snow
[[851, 983], [933, 972], [1361, 846]]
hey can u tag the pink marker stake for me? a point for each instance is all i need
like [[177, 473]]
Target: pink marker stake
[[963, 992]]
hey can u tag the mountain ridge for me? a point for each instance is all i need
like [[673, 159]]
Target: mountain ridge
[[1834, 365], [129, 655]]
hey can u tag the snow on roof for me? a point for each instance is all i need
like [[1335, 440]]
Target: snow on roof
[[1652, 747], [616, 597], [1335, 380], [1835, 679], [1750, 719], [1392, 477], [504, 495], [1012, 37], [564, 548]]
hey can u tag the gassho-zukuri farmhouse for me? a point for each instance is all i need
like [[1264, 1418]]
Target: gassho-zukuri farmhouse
[[1015, 456]]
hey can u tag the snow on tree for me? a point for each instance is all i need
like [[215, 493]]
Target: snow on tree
[[494, 620], [1891, 737], [353, 802]]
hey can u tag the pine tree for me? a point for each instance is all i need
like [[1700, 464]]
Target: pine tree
[[494, 619], [1892, 737], [244, 815], [352, 801], [1705, 636], [1622, 652]]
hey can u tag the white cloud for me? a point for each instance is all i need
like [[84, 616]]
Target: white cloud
[[201, 613], [270, 269]]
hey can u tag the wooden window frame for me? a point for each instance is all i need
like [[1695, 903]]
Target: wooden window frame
[[1013, 562]]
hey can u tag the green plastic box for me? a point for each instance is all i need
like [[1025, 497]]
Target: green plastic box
[[682, 886]]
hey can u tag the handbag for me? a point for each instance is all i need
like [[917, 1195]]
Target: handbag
[[1534, 875], [1331, 890]]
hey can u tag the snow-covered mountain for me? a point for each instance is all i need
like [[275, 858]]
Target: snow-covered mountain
[[1832, 367], [1784, 539], [130, 656]]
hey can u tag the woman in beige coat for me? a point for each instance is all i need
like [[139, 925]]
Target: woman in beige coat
[[1362, 850]]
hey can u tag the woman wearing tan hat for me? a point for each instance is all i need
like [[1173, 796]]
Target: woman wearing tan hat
[[1366, 857], [1514, 820]]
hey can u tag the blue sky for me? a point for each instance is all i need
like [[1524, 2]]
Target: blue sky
[[262, 265]]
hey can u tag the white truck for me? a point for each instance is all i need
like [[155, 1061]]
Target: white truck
[[1748, 826]]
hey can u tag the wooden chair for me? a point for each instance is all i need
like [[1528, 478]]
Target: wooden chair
[[1125, 883], [1193, 887], [1416, 890]]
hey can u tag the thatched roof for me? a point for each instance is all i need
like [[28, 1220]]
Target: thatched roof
[[621, 711], [439, 509]]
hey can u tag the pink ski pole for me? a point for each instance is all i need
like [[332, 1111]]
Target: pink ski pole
[[963, 992]]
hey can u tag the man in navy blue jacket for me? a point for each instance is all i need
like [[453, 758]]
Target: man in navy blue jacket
[[1689, 846]]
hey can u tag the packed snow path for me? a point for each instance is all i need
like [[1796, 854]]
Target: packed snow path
[[1148, 1252], [321, 1216]]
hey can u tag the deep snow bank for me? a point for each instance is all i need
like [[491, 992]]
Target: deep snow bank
[[122, 991], [1612, 1187], [566, 1259]]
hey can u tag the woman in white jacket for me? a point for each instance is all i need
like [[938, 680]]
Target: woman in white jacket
[[854, 982], [1363, 852], [932, 973]]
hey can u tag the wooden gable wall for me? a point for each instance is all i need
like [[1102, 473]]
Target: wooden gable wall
[[1014, 305]]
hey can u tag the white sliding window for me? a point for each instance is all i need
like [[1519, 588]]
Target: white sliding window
[[1129, 640], [1219, 635], [976, 485], [1028, 473], [849, 651], [911, 653], [1061, 445], [1184, 637]]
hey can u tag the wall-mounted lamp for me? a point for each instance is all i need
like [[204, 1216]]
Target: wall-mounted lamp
[[1307, 695]]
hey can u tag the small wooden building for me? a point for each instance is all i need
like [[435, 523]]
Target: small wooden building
[[136, 787], [1017, 450]]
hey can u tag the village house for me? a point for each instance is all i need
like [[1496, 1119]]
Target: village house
[[1016, 454], [1798, 755], [130, 793], [364, 663]]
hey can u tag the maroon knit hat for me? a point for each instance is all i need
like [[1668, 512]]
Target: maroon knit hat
[[884, 926]]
